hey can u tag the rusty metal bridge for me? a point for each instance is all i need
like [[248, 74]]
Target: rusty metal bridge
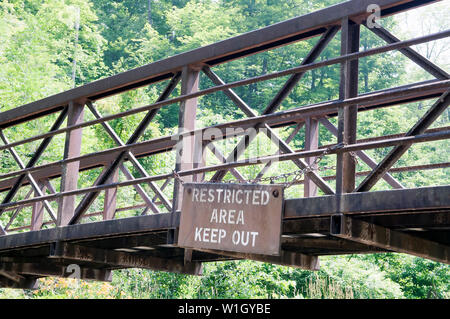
[[61, 227]]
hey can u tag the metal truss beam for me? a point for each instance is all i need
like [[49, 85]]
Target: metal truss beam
[[427, 119], [118, 259], [346, 227], [286, 258], [90, 197]]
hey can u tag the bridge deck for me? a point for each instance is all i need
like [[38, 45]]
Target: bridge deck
[[150, 241]]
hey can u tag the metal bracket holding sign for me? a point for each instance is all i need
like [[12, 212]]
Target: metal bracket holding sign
[[242, 218]]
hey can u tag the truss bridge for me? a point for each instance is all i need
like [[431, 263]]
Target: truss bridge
[[73, 207]]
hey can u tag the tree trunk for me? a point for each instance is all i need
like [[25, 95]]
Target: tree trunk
[[149, 12], [77, 30]]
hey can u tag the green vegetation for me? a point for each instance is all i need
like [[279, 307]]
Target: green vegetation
[[42, 52], [389, 276]]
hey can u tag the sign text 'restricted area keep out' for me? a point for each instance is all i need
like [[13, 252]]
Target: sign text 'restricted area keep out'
[[231, 217]]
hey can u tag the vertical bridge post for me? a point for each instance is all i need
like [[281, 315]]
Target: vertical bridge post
[[186, 146], [69, 177], [186, 122], [347, 116]]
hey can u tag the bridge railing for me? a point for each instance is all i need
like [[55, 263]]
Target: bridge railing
[[67, 203]]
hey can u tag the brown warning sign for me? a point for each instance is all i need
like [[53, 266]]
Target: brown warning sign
[[232, 217]]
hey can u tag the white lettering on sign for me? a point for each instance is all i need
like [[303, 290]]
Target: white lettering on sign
[[209, 235], [242, 237], [223, 216], [241, 218], [231, 196]]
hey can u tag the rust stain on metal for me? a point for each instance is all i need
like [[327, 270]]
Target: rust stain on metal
[[232, 217]]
